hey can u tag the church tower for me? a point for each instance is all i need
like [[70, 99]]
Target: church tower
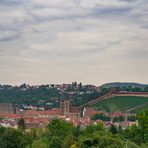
[[65, 106]]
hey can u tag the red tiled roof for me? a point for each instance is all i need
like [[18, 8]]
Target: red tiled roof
[[36, 120], [14, 116], [117, 114], [136, 93], [89, 112], [75, 122], [44, 112], [31, 112], [74, 109], [56, 111]]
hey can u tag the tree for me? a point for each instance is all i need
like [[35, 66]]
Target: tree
[[135, 134], [101, 117], [130, 144], [93, 128], [119, 119], [12, 139], [99, 139], [146, 89], [143, 123], [131, 118], [39, 144], [21, 123], [113, 129], [120, 129], [59, 128], [2, 130], [115, 119], [56, 142]]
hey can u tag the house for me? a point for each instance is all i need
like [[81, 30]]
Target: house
[[10, 116], [31, 114], [119, 114], [9, 123], [36, 122], [53, 113], [9, 120], [90, 112]]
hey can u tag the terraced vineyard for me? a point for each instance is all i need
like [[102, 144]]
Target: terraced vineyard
[[121, 103]]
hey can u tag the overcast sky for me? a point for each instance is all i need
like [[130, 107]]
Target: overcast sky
[[60, 41]]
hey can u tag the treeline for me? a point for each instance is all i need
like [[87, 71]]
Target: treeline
[[129, 87], [61, 134]]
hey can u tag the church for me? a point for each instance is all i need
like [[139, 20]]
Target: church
[[68, 110]]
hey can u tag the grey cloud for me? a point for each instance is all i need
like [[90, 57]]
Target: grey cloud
[[10, 2], [8, 36], [95, 38]]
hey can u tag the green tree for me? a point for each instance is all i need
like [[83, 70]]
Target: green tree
[[113, 129], [39, 144], [99, 139], [132, 118], [21, 123], [143, 123], [12, 139], [31, 135], [60, 128], [2, 130], [101, 117], [93, 128], [119, 119], [55, 142]]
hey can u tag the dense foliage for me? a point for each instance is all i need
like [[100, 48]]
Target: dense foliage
[[101, 117], [61, 134]]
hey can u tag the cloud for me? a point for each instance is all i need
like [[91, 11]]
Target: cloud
[[66, 40], [8, 35]]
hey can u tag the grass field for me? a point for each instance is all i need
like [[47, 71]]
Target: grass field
[[120, 103]]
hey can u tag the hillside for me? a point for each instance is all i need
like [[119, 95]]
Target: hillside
[[49, 95], [124, 84], [120, 103]]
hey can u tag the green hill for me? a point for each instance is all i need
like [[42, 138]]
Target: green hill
[[120, 103], [124, 85]]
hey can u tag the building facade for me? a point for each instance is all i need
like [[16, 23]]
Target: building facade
[[7, 108]]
